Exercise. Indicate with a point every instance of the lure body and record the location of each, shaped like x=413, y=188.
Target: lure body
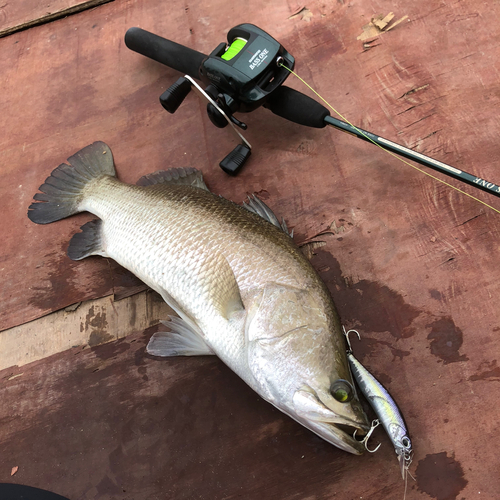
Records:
x=385, y=407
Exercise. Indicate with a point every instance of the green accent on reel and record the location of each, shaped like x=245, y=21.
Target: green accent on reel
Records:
x=234, y=49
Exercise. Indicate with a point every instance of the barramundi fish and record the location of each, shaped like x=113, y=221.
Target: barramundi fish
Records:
x=240, y=286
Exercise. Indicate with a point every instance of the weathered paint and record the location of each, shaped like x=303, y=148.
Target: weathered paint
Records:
x=415, y=270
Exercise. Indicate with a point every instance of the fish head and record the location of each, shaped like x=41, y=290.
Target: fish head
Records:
x=400, y=438
x=297, y=356
x=402, y=445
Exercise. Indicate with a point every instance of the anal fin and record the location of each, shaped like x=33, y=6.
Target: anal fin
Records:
x=181, y=340
x=88, y=242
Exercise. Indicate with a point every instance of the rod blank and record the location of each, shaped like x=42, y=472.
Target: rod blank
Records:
x=302, y=109
x=470, y=179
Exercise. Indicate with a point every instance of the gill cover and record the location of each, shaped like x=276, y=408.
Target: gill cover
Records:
x=284, y=325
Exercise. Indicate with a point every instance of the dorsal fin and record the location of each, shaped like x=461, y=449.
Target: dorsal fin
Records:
x=257, y=206
x=187, y=176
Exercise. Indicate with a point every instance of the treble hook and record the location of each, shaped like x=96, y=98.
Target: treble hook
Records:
x=375, y=423
x=349, y=350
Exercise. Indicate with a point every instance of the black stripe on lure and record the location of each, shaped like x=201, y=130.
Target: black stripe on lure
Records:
x=386, y=409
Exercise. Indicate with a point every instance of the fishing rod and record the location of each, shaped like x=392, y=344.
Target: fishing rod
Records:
x=248, y=72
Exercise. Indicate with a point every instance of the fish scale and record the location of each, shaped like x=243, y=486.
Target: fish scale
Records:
x=178, y=244
x=241, y=287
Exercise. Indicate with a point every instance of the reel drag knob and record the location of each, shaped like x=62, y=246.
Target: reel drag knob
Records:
x=215, y=117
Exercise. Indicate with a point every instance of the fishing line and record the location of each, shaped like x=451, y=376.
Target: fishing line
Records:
x=387, y=151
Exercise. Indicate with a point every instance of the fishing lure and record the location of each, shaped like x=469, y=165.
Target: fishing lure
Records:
x=386, y=409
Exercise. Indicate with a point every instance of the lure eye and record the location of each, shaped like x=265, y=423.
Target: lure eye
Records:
x=342, y=391
x=406, y=442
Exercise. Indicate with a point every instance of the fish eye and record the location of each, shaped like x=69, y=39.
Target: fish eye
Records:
x=342, y=391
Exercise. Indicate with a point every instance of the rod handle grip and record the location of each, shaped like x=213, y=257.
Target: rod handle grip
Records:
x=172, y=54
x=297, y=107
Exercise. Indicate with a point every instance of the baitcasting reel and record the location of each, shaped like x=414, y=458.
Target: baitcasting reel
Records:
x=249, y=72
x=239, y=76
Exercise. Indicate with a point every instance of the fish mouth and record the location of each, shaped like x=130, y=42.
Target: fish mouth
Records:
x=340, y=435
x=334, y=422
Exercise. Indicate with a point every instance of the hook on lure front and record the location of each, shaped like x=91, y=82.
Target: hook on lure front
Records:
x=375, y=424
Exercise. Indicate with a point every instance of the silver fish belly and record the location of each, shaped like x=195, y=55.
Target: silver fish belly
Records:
x=240, y=286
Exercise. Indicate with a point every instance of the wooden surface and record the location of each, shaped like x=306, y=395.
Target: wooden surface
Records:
x=132, y=428
x=414, y=269
x=17, y=16
x=83, y=324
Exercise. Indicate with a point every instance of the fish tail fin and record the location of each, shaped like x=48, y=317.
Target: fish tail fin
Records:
x=63, y=190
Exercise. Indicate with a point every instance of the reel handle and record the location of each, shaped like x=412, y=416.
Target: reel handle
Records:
x=172, y=54
x=172, y=98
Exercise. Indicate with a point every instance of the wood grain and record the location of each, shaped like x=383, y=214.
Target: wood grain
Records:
x=19, y=16
x=84, y=324
x=415, y=269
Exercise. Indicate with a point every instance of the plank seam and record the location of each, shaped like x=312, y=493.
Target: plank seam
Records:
x=54, y=16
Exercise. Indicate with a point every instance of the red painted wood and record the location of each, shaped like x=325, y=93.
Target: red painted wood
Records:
x=17, y=16
x=415, y=269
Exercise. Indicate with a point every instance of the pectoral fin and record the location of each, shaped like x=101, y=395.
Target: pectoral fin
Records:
x=219, y=289
x=181, y=340
x=225, y=292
